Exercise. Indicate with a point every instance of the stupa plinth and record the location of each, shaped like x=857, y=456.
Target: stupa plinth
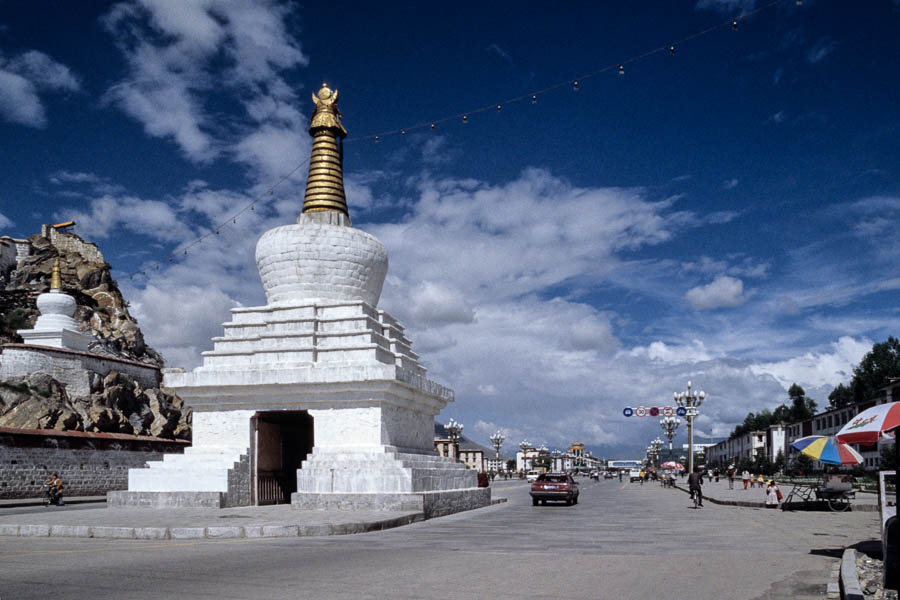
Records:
x=319, y=378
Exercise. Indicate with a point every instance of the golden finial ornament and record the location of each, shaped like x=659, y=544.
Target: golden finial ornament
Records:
x=55, y=279
x=325, y=184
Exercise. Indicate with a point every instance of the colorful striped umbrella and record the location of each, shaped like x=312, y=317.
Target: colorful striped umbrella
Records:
x=673, y=465
x=828, y=450
x=872, y=423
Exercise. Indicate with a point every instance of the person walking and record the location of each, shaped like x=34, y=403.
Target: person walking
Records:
x=731, y=477
x=695, y=485
x=745, y=477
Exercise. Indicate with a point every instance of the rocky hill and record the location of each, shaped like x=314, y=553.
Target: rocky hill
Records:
x=117, y=403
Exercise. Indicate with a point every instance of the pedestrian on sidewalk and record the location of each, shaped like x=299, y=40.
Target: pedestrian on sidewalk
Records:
x=55, y=491
x=731, y=473
x=773, y=495
x=745, y=476
x=695, y=485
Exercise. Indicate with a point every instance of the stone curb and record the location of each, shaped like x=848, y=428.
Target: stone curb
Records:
x=850, y=588
x=745, y=504
x=217, y=533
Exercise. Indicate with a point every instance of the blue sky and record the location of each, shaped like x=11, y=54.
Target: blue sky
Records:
x=725, y=215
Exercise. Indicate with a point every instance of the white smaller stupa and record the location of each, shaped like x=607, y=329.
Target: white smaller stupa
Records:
x=55, y=326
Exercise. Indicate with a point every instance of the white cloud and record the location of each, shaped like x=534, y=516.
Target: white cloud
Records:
x=673, y=354
x=5, y=221
x=820, y=50
x=439, y=304
x=727, y=7
x=723, y=291
x=22, y=78
x=730, y=184
x=175, y=52
x=778, y=117
x=824, y=369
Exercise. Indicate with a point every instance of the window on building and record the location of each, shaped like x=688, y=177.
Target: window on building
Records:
x=829, y=421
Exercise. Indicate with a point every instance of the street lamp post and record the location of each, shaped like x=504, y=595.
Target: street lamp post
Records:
x=656, y=444
x=454, y=429
x=525, y=445
x=497, y=440
x=669, y=425
x=690, y=401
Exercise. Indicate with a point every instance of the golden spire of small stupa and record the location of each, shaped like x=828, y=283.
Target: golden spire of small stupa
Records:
x=325, y=184
x=55, y=280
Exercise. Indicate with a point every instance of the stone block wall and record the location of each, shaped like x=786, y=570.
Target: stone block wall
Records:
x=71, y=367
x=90, y=464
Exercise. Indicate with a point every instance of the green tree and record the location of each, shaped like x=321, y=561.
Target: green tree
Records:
x=782, y=414
x=881, y=362
x=511, y=465
x=778, y=465
x=888, y=457
x=803, y=463
x=802, y=408
x=840, y=396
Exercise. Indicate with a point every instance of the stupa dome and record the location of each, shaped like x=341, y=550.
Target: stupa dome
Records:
x=318, y=261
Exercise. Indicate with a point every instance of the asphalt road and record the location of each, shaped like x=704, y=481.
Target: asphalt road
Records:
x=622, y=540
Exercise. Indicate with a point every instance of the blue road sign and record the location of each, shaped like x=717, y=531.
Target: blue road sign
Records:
x=681, y=411
x=628, y=411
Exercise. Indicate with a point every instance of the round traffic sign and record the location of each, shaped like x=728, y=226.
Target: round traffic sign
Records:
x=668, y=411
x=681, y=411
x=640, y=411
x=654, y=411
x=628, y=411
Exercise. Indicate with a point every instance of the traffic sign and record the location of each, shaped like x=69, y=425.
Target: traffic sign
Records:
x=628, y=411
x=640, y=411
x=654, y=411
x=681, y=411
x=668, y=411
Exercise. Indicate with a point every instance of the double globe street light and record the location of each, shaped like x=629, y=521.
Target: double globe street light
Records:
x=497, y=440
x=525, y=446
x=454, y=430
x=690, y=400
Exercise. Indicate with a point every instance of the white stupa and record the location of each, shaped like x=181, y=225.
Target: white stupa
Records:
x=55, y=326
x=318, y=378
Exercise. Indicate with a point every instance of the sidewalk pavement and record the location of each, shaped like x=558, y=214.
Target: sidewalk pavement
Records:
x=194, y=523
x=755, y=497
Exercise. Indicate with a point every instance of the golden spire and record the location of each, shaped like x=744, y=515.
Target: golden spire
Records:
x=55, y=281
x=325, y=184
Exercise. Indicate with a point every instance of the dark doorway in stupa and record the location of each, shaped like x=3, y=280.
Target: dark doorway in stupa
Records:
x=281, y=441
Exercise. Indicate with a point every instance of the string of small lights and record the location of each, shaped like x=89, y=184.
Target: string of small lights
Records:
x=575, y=83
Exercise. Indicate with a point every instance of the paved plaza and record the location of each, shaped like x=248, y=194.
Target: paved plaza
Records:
x=623, y=540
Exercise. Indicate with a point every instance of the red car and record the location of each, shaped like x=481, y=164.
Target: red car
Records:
x=554, y=486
